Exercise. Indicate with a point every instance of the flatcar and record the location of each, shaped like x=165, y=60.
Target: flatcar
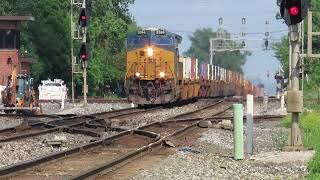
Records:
x=156, y=74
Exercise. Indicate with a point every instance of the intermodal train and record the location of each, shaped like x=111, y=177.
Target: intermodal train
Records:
x=157, y=74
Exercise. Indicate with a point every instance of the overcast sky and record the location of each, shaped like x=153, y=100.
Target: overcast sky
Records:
x=185, y=16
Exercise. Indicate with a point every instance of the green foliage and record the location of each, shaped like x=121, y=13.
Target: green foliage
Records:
x=282, y=54
x=109, y=25
x=112, y=97
x=310, y=126
x=311, y=66
x=286, y=121
x=200, y=48
x=47, y=40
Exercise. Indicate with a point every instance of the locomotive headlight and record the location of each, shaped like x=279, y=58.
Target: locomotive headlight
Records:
x=150, y=51
x=137, y=74
x=162, y=74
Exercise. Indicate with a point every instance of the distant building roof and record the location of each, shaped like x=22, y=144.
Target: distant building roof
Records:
x=13, y=22
x=16, y=18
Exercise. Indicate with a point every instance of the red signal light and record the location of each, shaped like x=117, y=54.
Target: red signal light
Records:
x=83, y=55
x=83, y=18
x=294, y=10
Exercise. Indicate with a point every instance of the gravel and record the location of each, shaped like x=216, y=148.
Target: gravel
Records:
x=31, y=148
x=54, y=108
x=161, y=115
x=273, y=108
x=108, y=134
x=8, y=122
x=210, y=166
x=214, y=159
x=268, y=136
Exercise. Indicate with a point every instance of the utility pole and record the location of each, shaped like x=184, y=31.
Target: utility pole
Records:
x=295, y=96
x=293, y=13
x=311, y=33
x=220, y=36
x=228, y=42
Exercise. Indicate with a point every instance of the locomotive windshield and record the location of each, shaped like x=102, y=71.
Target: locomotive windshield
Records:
x=138, y=40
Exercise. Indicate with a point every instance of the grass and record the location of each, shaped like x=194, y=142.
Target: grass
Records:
x=112, y=97
x=310, y=127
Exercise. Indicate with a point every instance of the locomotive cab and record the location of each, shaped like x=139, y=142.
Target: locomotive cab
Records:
x=152, y=65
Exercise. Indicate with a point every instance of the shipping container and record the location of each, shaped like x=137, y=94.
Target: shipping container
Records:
x=215, y=73
x=220, y=74
x=204, y=71
x=186, y=67
x=208, y=71
x=227, y=75
x=212, y=72
x=194, y=69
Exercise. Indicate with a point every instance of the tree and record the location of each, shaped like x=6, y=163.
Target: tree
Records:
x=200, y=45
x=47, y=40
x=311, y=66
x=110, y=22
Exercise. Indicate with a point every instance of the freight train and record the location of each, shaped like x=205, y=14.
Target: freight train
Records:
x=156, y=74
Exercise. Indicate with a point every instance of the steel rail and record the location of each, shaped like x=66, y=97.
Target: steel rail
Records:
x=196, y=111
x=129, y=156
x=157, y=137
x=50, y=128
x=139, y=152
x=123, y=112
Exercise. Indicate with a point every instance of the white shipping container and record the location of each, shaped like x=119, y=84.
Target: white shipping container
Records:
x=197, y=69
x=186, y=68
x=215, y=73
x=223, y=77
x=223, y=74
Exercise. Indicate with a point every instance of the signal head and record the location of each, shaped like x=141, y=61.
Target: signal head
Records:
x=83, y=18
x=83, y=55
x=293, y=11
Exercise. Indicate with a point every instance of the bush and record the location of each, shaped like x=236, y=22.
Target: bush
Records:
x=310, y=127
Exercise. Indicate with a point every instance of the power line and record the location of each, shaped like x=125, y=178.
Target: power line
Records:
x=271, y=32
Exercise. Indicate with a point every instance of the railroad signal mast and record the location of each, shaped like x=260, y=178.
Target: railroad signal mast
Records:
x=79, y=25
x=293, y=12
x=83, y=23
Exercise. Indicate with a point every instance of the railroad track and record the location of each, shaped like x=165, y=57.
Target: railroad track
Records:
x=121, y=113
x=103, y=154
x=91, y=125
x=100, y=101
x=107, y=154
x=28, y=123
x=36, y=126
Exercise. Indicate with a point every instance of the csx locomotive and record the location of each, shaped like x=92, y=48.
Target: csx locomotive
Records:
x=155, y=74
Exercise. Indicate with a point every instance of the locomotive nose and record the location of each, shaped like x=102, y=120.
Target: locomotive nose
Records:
x=150, y=51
